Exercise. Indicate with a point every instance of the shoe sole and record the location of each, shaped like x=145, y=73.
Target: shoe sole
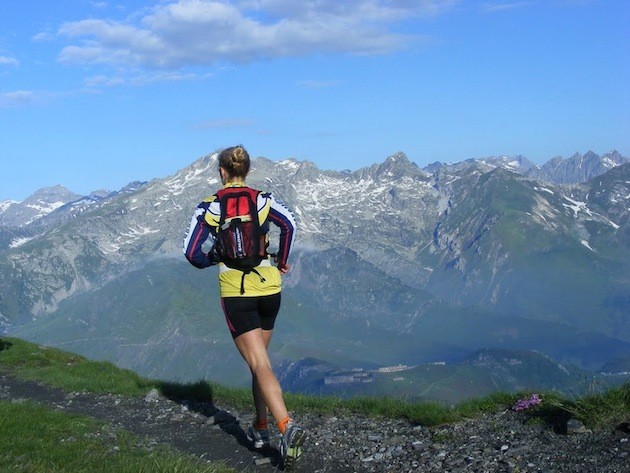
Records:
x=294, y=452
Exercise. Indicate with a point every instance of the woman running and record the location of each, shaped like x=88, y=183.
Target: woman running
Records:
x=250, y=286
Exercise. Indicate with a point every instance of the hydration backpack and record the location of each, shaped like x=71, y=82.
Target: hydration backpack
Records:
x=240, y=242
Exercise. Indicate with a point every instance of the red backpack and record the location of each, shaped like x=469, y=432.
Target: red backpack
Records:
x=240, y=242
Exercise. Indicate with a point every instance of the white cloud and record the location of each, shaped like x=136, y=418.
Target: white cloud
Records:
x=43, y=36
x=206, y=32
x=8, y=61
x=16, y=98
x=19, y=98
x=361, y=10
x=101, y=81
x=501, y=6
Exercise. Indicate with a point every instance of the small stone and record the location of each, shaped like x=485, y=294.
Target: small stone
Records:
x=574, y=426
x=262, y=461
x=210, y=420
x=418, y=445
x=152, y=396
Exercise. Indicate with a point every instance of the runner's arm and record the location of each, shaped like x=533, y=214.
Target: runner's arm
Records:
x=198, y=233
x=281, y=216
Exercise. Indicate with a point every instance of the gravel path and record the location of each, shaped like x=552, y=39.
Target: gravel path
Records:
x=500, y=442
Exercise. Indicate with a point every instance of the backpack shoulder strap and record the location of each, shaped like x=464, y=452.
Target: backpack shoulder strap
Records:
x=211, y=217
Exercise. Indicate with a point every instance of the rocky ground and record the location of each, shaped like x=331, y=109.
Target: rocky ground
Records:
x=498, y=442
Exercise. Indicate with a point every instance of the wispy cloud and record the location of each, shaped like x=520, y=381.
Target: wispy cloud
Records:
x=206, y=32
x=96, y=84
x=318, y=84
x=18, y=98
x=104, y=81
x=101, y=81
x=500, y=6
x=43, y=36
x=8, y=61
x=224, y=123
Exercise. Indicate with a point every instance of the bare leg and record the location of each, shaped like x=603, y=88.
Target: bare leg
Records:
x=259, y=402
x=265, y=386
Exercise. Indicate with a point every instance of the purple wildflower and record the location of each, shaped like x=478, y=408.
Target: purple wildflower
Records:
x=527, y=403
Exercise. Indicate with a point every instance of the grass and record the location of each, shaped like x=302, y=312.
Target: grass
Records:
x=37, y=439
x=600, y=408
x=65, y=370
x=75, y=373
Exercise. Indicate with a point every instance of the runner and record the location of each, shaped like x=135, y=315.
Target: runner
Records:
x=250, y=298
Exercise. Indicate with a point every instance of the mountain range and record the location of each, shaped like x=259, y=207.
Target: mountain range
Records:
x=393, y=265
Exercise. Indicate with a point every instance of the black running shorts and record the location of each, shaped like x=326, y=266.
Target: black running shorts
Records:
x=248, y=313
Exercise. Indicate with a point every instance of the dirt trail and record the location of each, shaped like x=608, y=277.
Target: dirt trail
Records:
x=502, y=441
x=203, y=430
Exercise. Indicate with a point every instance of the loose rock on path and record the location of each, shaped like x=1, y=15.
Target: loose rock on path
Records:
x=498, y=442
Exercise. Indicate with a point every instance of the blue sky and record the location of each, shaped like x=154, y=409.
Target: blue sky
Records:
x=95, y=94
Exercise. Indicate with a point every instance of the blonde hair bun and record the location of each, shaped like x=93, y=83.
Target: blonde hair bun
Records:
x=235, y=160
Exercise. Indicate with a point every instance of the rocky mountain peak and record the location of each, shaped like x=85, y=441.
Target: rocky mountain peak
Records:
x=307, y=171
x=100, y=194
x=52, y=195
x=578, y=168
x=396, y=166
x=5, y=204
x=36, y=206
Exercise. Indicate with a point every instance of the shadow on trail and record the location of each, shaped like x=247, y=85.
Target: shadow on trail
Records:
x=201, y=432
x=198, y=397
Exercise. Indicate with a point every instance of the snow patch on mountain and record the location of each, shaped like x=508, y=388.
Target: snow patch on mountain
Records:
x=290, y=164
x=5, y=204
x=136, y=232
x=19, y=241
x=544, y=189
x=178, y=184
x=45, y=207
x=577, y=207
